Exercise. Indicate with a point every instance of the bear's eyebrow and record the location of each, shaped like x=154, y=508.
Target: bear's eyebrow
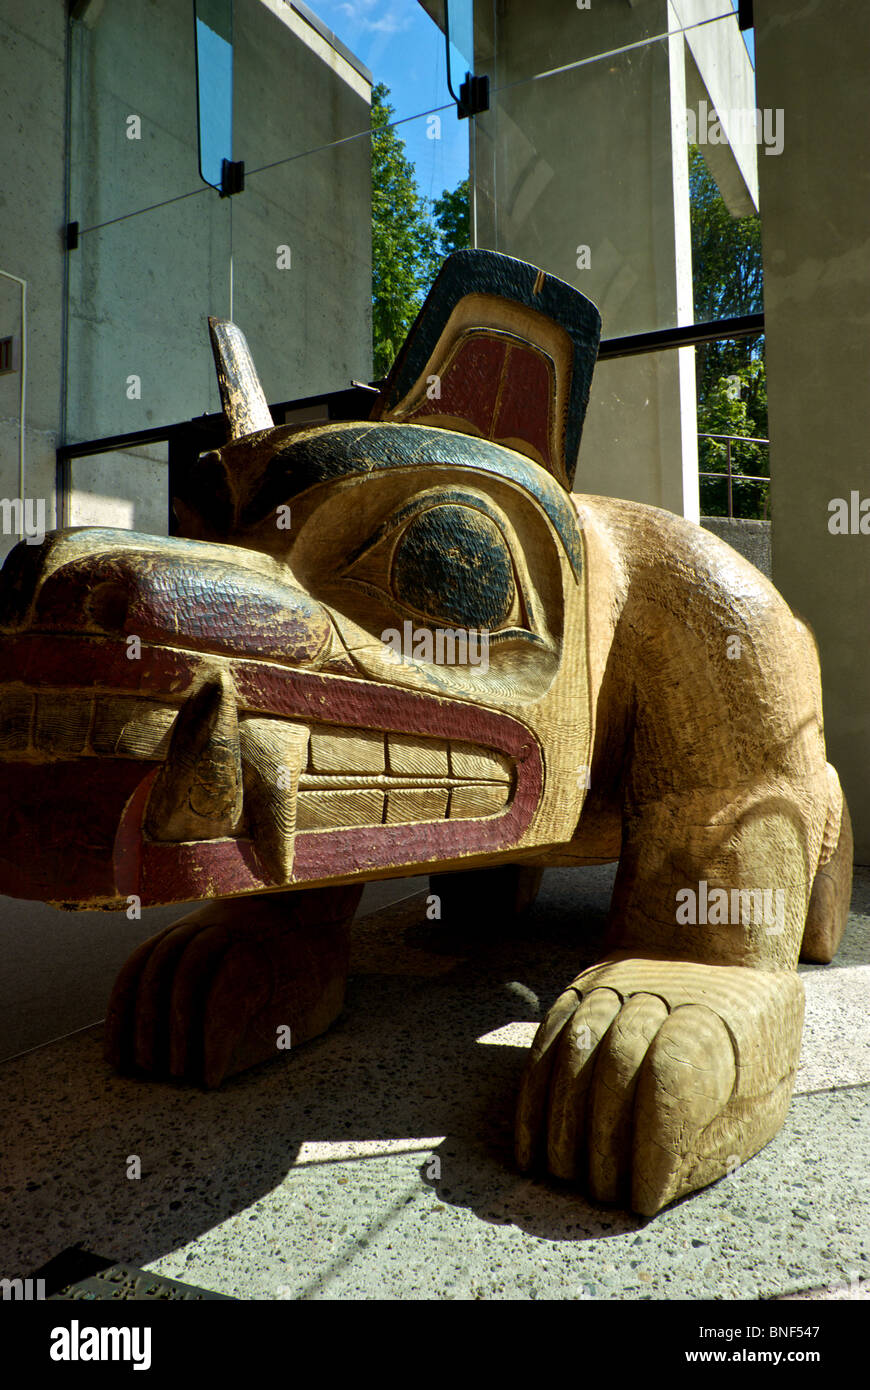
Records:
x=434, y=497
x=341, y=453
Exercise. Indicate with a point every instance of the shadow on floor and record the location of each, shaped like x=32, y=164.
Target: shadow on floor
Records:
x=408, y=1066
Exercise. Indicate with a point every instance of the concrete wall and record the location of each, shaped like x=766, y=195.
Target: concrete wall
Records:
x=144, y=286
x=123, y=488
x=32, y=45
x=142, y=283
x=750, y=538
x=309, y=327
x=815, y=197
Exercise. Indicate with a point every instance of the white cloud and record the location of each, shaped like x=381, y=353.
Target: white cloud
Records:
x=364, y=14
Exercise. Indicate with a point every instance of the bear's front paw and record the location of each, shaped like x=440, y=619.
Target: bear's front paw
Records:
x=231, y=985
x=652, y=1077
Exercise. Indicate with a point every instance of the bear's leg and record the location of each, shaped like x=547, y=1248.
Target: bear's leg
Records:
x=673, y=1060
x=832, y=887
x=232, y=984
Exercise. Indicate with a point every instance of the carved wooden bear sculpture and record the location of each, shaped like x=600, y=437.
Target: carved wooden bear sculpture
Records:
x=402, y=645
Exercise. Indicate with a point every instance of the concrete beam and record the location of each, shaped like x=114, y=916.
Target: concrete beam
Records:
x=720, y=74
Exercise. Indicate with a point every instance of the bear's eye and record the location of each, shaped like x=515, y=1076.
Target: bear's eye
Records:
x=452, y=563
x=446, y=561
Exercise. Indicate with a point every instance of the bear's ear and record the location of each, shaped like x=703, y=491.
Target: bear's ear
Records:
x=502, y=351
x=245, y=407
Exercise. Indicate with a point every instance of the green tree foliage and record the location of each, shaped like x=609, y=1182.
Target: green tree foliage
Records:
x=410, y=235
x=404, y=241
x=732, y=391
x=452, y=216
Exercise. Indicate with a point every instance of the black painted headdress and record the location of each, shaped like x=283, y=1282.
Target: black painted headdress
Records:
x=503, y=351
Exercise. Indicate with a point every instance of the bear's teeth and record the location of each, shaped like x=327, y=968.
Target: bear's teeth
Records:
x=274, y=753
x=197, y=794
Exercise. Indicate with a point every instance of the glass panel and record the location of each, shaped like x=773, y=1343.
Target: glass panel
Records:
x=214, y=86
x=153, y=103
x=296, y=88
x=748, y=35
x=297, y=72
x=133, y=126
x=341, y=245
x=530, y=40
x=640, y=436
x=139, y=293
x=460, y=33
x=727, y=272
x=583, y=169
x=576, y=174
x=420, y=213
x=126, y=488
x=302, y=271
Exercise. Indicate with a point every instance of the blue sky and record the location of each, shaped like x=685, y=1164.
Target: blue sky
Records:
x=402, y=46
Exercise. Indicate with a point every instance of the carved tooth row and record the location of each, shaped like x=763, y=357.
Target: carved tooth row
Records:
x=418, y=757
x=356, y=751
x=479, y=764
x=16, y=715
x=325, y=810
x=132, y=728
x=334, y=810
x=473, y=800
x=64, y=725
x=346, y=750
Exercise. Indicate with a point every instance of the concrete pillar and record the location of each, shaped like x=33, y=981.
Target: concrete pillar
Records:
x=815, y=198
x=596, y=158
x=641, y=434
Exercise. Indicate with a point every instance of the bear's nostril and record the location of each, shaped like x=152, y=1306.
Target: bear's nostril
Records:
x=107, y=606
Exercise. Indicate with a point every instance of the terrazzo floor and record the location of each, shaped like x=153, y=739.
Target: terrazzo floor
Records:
x=375, y=1162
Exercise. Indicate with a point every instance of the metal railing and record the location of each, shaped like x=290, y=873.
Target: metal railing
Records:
x=188, y=438
x=729, y=474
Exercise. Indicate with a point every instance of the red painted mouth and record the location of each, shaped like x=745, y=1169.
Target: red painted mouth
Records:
x=72, y=818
